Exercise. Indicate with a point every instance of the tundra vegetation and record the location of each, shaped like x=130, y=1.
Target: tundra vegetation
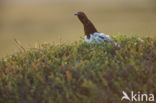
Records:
x=79, y=72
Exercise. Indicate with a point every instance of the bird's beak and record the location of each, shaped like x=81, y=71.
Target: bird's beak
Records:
x=76, y=14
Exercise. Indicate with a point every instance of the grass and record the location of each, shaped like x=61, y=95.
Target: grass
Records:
x=79, y=72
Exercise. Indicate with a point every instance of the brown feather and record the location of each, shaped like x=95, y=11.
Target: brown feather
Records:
x=89, y=27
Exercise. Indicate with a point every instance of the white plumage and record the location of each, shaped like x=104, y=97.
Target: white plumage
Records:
x=99, y=38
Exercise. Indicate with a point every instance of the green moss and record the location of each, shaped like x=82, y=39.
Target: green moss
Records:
x=79, y=72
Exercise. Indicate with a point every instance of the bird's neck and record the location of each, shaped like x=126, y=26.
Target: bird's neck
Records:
x=89, y=28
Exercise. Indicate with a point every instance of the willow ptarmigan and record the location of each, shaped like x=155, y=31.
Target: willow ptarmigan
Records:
x=91, y=33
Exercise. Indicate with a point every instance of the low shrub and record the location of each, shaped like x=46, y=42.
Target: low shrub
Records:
x=79, y=72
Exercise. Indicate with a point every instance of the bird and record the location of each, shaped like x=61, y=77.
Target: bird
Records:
x=92, y=36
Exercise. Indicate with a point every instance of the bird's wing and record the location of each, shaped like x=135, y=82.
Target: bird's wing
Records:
x=104, y=37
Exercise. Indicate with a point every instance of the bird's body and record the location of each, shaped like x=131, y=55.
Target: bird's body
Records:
x=98, y=38
x=91, y=34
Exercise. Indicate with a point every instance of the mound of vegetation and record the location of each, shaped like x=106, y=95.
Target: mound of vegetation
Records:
x=79, y=72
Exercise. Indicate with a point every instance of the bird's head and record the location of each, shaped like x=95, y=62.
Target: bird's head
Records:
x=82, y=16
x=89, y=28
